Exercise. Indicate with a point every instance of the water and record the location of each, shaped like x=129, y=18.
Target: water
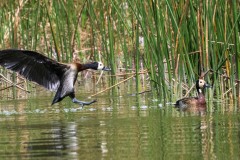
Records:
x=116, y=127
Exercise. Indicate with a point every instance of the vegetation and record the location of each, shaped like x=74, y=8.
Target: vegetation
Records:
x=169, y=43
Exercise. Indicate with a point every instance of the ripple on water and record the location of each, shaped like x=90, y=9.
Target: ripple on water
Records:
x=143, y=107
x=8, y=113
x=42, y=111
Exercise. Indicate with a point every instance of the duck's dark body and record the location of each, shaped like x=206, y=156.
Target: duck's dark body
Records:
x=66, y=87
x=194, y=103
x=49, y=73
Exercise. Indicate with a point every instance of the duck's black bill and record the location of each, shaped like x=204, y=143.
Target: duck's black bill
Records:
x=207, y=85
x=106, y=69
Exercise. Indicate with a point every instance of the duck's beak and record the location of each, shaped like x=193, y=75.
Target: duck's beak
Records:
x=106, y=69
x=206, y=85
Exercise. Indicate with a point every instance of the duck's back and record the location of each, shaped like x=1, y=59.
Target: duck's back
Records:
x=186, y=103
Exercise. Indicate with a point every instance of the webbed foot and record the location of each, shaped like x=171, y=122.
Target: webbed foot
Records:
x=82, y=103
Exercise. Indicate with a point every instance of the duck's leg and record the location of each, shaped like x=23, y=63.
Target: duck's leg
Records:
x=82, y=103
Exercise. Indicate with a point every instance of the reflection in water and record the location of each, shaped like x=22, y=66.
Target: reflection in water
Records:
x=58, y=139
x=116, y=128
x=51, y=141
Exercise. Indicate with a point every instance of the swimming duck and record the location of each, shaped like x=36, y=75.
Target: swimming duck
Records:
x=54, y=76
x=194, y=102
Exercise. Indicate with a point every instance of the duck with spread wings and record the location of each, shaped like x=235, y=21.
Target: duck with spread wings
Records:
x=49, y=73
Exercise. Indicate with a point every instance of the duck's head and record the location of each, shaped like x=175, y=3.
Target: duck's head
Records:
x=100, y=66
x=201, y=84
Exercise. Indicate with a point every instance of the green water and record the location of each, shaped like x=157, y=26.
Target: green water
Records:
x=116, y=127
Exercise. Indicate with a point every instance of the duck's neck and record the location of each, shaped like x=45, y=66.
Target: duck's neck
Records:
x=200, y=91
x=81, y=67
x=201, y=96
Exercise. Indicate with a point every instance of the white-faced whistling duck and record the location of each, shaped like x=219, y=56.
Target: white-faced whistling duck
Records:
x=194, y=102
x=49, y=73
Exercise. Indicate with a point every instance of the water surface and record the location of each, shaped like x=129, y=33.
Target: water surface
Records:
x=118, y=126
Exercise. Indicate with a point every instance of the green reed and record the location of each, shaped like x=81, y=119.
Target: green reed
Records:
x=180, y=39
x=236, y=20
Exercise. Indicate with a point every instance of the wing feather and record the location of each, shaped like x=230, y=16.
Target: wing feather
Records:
x=34, y=67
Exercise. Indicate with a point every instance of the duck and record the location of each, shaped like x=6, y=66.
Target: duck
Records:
x=54, y=76
x=192, y=103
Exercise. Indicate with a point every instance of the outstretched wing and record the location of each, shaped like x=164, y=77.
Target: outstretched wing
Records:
x=34, y=67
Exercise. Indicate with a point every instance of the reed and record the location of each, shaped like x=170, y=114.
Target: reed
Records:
x=173, y=40
x=236, y=22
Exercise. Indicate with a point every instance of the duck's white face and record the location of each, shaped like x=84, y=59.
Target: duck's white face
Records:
x=201, y=83
x=100, y=66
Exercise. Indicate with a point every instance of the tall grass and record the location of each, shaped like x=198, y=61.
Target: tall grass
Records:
x=173, y=40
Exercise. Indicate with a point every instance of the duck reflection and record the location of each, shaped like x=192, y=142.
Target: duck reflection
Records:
x=58, y=139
